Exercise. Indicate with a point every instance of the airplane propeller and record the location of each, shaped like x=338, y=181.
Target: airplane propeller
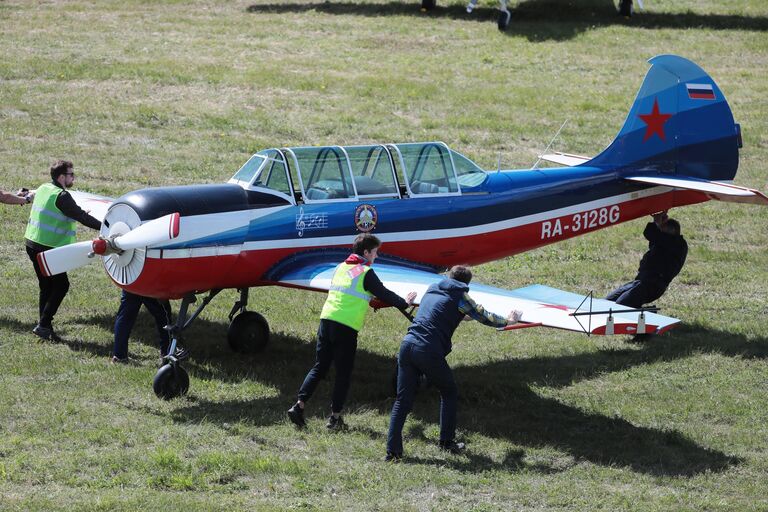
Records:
x=69, y=257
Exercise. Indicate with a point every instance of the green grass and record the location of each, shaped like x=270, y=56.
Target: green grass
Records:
x=156, y=93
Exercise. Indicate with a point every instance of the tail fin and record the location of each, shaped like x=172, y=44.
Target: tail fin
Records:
x=679, y=124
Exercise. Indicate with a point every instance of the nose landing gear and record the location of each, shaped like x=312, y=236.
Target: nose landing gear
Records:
x=248, y=333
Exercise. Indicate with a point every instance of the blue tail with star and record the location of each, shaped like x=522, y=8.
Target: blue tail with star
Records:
x=680, y=124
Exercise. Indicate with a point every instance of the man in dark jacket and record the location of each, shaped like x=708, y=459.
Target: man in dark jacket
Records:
x=52, y=223
x=423, y=351
x=667, y=250
x=353, y=285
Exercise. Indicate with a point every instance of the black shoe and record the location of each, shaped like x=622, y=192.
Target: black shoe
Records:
x=452, y=446
x=296, y=415
x=43, y=332
x=393, y=457
x=336, y=423
x=119, y=360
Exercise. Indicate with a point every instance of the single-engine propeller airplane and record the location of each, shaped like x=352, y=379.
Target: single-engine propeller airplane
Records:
x=625, y=8
x=288, y=215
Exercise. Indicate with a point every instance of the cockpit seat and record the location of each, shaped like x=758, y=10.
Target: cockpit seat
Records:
x=420, y=187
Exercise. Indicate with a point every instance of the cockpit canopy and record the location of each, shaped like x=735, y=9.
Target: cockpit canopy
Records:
x=326, y=173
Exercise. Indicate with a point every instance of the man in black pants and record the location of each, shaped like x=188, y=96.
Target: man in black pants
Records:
x=423, y=352
x=353, y=286
x=130, y=304
x=667, y=250
x=52, y=223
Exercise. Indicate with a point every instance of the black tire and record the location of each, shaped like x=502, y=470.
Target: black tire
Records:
x=248, y=333
x=171, y=381
x=428, y=5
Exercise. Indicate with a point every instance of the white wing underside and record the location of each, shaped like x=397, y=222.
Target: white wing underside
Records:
x=541, y=305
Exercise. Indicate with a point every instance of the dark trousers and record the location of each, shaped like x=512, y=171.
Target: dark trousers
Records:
x=127, y=313
x=638, y=292
x=337, y=344
x=53, y=289
x=411, y=362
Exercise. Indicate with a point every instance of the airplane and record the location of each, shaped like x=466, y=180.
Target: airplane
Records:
x=625, y=8
x=288, y=216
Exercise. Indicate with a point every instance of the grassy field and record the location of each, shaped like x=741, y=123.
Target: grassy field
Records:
x=178, y=92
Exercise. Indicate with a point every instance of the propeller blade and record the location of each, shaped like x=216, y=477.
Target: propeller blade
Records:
x=150, y=233
x=62, y=259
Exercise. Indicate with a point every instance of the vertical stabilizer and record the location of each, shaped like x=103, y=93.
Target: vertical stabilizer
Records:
x=679, y=124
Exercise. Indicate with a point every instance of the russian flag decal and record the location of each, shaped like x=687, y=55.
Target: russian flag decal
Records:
x=700, y=91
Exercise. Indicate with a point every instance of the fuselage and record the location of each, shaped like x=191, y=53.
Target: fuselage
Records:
x=237, y=236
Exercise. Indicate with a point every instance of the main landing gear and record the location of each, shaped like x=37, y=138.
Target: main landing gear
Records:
x=248, y=333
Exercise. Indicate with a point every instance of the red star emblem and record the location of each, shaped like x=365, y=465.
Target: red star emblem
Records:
x=654, y=121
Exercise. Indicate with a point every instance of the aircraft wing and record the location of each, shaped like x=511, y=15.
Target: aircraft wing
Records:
x=95, y=205
x=541, y=305
x=713, y=189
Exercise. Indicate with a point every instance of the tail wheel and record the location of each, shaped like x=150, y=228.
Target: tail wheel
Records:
x=171, y=381
x=248, y=333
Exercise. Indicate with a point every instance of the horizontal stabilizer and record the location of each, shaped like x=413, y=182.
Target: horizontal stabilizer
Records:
x=566, y=159
x=713, y=189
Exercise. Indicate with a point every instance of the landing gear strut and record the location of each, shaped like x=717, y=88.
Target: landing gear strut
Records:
x=248, y=333
x=172, y=380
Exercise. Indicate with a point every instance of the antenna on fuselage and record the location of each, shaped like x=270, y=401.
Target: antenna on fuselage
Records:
x=536, y=165
x=498, y=164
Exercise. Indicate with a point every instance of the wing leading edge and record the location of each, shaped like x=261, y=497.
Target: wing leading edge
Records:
x=540, y=304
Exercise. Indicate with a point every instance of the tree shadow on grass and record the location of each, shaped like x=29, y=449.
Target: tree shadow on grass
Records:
x=536, y=20
x=496, y=397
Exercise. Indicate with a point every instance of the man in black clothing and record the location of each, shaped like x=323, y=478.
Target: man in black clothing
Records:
x=667, y=250
x=52, y=224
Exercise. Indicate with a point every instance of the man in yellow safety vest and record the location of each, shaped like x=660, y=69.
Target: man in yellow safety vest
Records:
x=52, y=223
x=353, y=286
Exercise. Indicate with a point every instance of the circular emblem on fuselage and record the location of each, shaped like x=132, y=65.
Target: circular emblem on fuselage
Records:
x=366, y=217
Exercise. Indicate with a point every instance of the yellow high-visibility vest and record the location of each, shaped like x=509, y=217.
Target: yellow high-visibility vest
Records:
x=347, y=301
x=47, y=224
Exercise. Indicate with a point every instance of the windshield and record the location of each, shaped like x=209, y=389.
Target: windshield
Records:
x=470, y=175
x=248, y=171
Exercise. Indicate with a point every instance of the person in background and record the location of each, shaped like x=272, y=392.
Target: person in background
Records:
x=23, y=196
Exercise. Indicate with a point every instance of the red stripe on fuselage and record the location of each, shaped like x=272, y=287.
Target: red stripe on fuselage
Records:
x=175, y=277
